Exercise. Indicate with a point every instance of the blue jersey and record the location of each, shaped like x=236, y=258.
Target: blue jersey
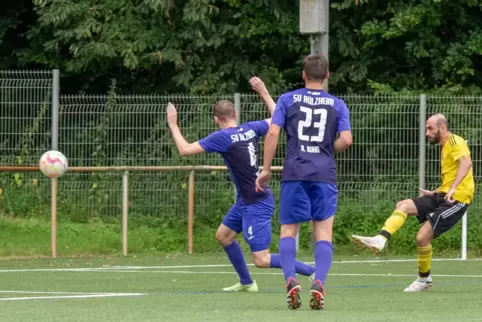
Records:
x=311, y=119
x=239, y=148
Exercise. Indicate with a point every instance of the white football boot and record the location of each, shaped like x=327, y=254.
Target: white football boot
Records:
x=420, y=284
x=375, y=244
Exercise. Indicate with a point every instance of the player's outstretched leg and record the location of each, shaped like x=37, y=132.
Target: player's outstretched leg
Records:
x=300, y=267
x=264, y=259
x=323, y=260
x=424, y=248
x=257, y=233
x=377, y=243
x=287, y=252
x=225, y=236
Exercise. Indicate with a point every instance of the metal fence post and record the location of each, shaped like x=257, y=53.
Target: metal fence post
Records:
x=55, y=146
x=422, y=141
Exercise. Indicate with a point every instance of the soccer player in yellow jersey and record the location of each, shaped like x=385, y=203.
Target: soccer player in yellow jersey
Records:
x=437, y=210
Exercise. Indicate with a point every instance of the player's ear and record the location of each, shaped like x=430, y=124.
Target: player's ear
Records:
x=327, y=76
x=303, y=76
x=216, y=119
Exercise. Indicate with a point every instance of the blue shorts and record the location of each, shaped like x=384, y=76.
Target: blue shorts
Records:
x=302, y=201
x=254, y=221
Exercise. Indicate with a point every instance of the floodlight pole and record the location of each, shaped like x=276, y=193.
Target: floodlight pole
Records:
x=319, y=45
x=314, y=21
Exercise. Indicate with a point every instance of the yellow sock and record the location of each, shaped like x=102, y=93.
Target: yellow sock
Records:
x=394, y=223
x=424, y=260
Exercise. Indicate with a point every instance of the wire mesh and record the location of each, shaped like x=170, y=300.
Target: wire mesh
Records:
x=380, y=168
x=382, y=165
x=25, y=116
x=117, y=130
x=25, y=134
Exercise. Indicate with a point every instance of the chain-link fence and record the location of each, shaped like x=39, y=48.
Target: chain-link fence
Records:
x=388, y=161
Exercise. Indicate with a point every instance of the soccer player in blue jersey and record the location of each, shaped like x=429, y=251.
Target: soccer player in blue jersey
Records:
x=252, y=211
x=311, y=118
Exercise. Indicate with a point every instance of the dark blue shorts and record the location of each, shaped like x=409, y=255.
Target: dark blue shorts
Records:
x=254, y=221
x=302, y=201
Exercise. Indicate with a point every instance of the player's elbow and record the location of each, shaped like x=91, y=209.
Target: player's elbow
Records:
x=185, y=152
x=347, y=142
x=466, y=162
x=346, y=139
x=182, y=152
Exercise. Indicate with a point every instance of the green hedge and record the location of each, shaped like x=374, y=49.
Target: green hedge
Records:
x=84, y=229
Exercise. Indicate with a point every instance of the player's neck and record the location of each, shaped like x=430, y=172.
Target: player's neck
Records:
x=445, y=138
x=228, y=124
x=315, y=86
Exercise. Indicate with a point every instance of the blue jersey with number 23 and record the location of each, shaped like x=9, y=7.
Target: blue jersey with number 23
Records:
x=311, y=119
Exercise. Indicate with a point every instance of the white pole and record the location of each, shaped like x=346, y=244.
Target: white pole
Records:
x=125, y=210
x=463, y=252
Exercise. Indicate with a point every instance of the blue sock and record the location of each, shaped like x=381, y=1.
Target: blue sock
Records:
x=323, y=260
x=287, y=254
x=236, y=257
x=300, y=267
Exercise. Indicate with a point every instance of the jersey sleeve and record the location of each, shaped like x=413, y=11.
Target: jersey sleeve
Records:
x=343, y=117
x=260, y=127
x=459, y=148
x=215, y=142
x=279, y=115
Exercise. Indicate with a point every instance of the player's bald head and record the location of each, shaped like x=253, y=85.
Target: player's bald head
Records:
x=438, y=121
x=224, y=110
x=437, y=128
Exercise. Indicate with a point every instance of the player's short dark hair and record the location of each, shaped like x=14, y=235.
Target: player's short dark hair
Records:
x=315, y=67
x=224, y=110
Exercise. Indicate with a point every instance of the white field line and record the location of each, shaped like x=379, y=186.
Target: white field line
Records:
x=334, y=262
x=116, y=268
x=280, y=273
x=65, y=293
x=69, y=296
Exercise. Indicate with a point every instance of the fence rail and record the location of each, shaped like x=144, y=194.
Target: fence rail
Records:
x=105, y=135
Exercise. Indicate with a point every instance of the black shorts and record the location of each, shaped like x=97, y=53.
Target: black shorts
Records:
x=441, y=214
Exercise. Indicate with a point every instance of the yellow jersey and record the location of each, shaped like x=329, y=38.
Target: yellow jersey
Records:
x=452, y=150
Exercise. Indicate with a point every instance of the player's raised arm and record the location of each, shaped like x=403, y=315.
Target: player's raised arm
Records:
x=345, y=139
x=271, y=143
x=185, y=148
x=258, y=86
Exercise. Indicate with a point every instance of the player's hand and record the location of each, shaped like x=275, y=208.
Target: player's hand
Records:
x=171, y=114
x=262, y=180
x=426, y=192
x=449, y=195
x=258, y=85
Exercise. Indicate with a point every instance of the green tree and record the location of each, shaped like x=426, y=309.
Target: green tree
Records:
x=207, y=46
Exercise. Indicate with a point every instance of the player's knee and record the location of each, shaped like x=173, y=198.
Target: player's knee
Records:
x=289, y=230
x=261, y=259
x=223, y=238
x=404, y=205
x=424, y=238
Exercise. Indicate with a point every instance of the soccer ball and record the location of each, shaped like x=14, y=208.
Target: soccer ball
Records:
x=53, y=164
